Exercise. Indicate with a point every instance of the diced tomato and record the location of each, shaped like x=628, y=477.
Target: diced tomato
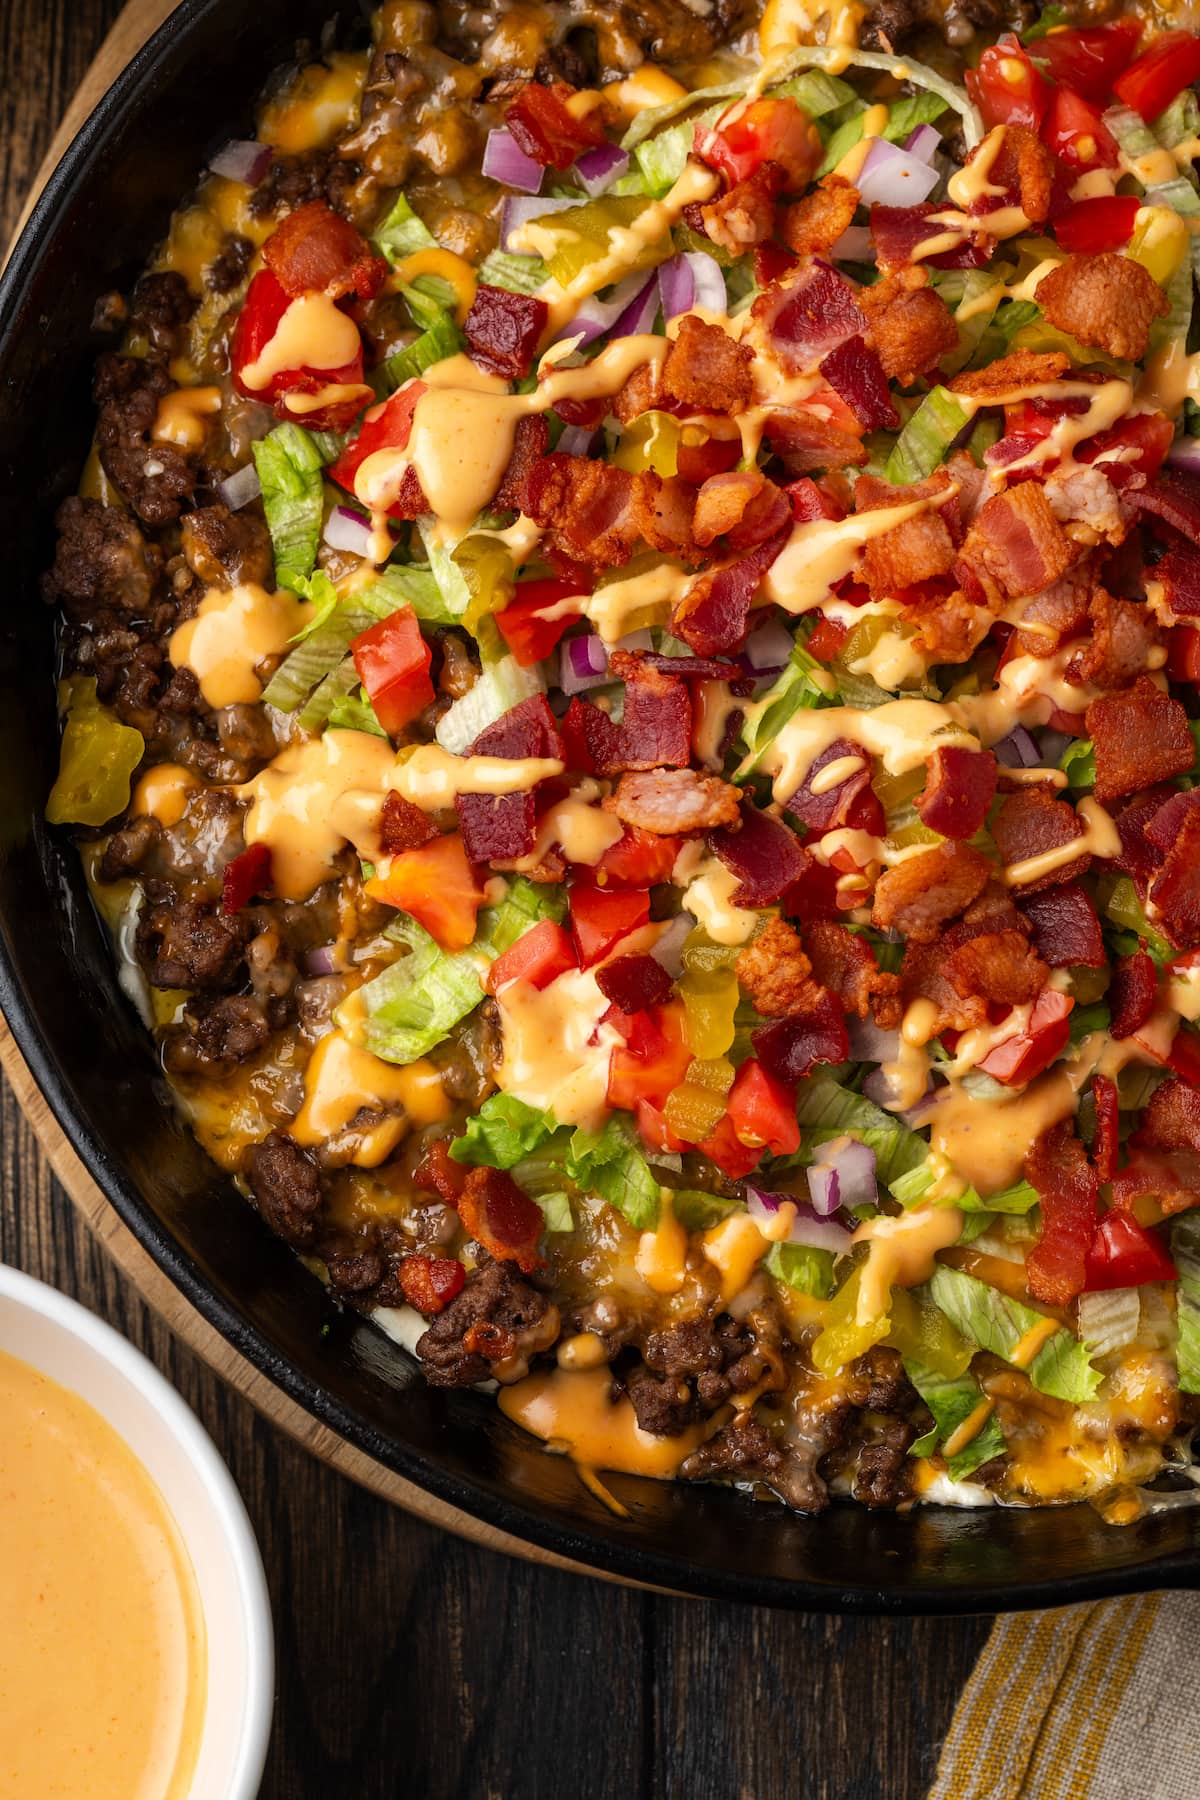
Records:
x=1006, y=87
x=1019, y=1058
x=1025, y=419
x=430, y=1282
x=392, y=659
x=1090, y=60
x=1102, y=223
x=545, y=128
x=1183, y=653
x=265, y=304
x=655, y=1060
x=1124, y=1254
x=529, y=636
x=639, y=858
x=539, y=957
x=1074, y=131
x=1184, y=1055
x=315, y=251
x=1148, y=434
x=745, y=137
x=724, y=1147
x=827, y=639
x=247, y=875
x=385, y=427
x=437, y=886
x=601, y=917
x=1151, y=83
x=762, y=1110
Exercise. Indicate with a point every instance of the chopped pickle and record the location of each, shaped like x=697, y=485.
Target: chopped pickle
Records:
x=98, y=757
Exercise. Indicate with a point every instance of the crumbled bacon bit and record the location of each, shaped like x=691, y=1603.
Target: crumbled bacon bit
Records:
x=833, y=807
x=998, y=965
x=1175, y=891
x=633, y=983
x=1170, y=1119
x=1171, y=1180
x=775, y=971
x=656, y=728
x=790, y=1048
x=1179, y=573
x=503, y=330
x=1021, y=369
x=1108, y=301
x=924, y=975
x=919, y=894
x=745, y=216
x=501, y=1217
x=813, y=224
x=530, y=444
x=918, y=549
x=430, y=1282
x=675, y=802
x=724, y=501
x=1140, y=736
x=764, y=855
x=1066, y=929
x=437, y=1173
x=844, y=962
x=1030, y=822
x=898, y=230
x=315, y=250
x=503, y=827
x=806, y=314
x=712, y=614
x=1058, y=1168
x=1016, y=546
x=403, y=826
x=1058, y=613
x=856, y=373
x=910, y=326
x=802, y=441
x=706, y=369
x=1123, y=634
x=1132, y=993
x=1108, y=1126
x=1025, y=169
x=958, y=791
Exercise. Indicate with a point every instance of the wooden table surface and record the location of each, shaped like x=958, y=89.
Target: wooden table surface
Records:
x=411, y=1664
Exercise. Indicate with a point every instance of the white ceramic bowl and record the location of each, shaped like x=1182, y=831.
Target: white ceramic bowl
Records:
x=80, y=1352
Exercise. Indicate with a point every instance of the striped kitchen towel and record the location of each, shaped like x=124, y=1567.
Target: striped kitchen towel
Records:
x=1084, y=1703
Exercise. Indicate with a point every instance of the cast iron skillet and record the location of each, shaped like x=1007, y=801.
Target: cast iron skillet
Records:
x=192, y=87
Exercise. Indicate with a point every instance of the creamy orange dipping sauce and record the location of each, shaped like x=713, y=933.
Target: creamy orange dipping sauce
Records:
x=102, y=1667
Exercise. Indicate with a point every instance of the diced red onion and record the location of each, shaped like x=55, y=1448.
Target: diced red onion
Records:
x=597, y=169
x=517, y=212
x=576, y=440
x=871, y=1043
x=319, y=962
x=819, y=1233
x=676, y=287
x=824, y=1189
x=240, y=489
x=596, y=316
x=923, y=141
x=669, y=948
x=582, y=664
x=852, y=1166
x=346, y=529
x=1017, y=750
x=504, y=160
x=640, y=314
x=635, y=640
x=854, y=245
x=1185, y=454
x=692, y=279
x=769, y=646
x=891, y=177
x=242, y=160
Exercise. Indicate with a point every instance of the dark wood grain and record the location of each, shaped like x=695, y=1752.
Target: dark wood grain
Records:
x=411, y=1664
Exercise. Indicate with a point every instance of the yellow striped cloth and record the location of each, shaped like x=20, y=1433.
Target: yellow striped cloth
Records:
x=1085, y=1703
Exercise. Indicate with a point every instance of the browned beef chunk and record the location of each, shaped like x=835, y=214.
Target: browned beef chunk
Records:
x=746, y=1451
x=292, y=181
x=154, y=478
x=227, y=549
x=216, y=1035
x=497, y=1316
x=878, y=1382
x=128, y=848
x=228, y=268
x=101, y=561
x=182, y=944
x=881, y=1478
x=723, y=1358
x=664, y=1405
x=161, y=307
x=244, y=732
x=286, y=1185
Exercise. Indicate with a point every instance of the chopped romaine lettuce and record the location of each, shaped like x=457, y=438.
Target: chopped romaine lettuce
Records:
x=503, y=1131
x=418, y=1001
x=442, y=339
x=827, y=1111
x=502, y=686
x=1185, y=1248
x=952, y=1401
x=1078, y=763
x=519, y=274
x=556, y=1210
x=802, y=1267
x=996, y=1322
x=803, y=683
x=525, y=904
x=289, y=467
x=915, y=1183
x=354, y=712
x=402, y=233
x=698, y=1210
x=1109, y=1320
x=927, y=437
x=337, y=686
x=610, y=1163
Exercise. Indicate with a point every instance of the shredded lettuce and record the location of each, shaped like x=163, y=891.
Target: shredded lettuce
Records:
x=337, y=686
x=825, y=1110
x=915, y=1183
x=453, y=590
x=698, y=1211
x=289, y=467
x=952, y=1400
x=442, y=339
x=313, y=659
x=402, y=233
x=519, y=274
x=1062, y=1367
x=354, y=712
x=1185, y=1248
x=526, y=904
x=903, y=118
x=661, y=159
x=416, y=1003
x=1109, y=1320
x=503, y=1131
x=829, y=56
x=556, y=1210
x=801, y=684
x=610, y=1163
x=502, y=686
x=926, y=439
x=802, y=1267
x=404, y=584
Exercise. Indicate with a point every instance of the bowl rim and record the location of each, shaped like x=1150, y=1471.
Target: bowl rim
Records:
x=214, y=1482
x=506, y=1513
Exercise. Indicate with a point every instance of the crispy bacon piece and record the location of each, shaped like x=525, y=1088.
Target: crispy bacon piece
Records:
x=1108, y=1126
x=1139, y=858
x=430, y=1282
x=1171, y=1180
x=503, y=827
x=656, y=729
x=917, y=550
x=706, y=370
x=1132, y=993
x=501, y=1217
x=998, y=965
x=437, y=1173
x=764, y=855
x=897, y=231
x=1058, y=613
x=1016, y=546
x=633, y=983
x=924, y=975
x=530, y=444
x=1174, y=497
x=403, y=826
x=712, y=614
x=1123, y=634
x=910, y=326
x=827, y=810
x=921, y=893
x=1179, y=572
x=1108, y=301
x=806, y=314
x=775, y=971
x=1025, y=169
x=594, y=513
x=315, y=250
x=1164, y=826
x=542, y=122
x=1140, y=736
x=1058, y=1168
x=745, y=216
x=790, y=1048
x=857, y=374
x=959, y=788
x=844, y=962
x=675, y=802
x=1029, y=823
x=1170, y=1118
x=503, y=329
x=1021, y=369
x=950, y=628
x=742, y=506
x=1175, y=890
x=811, y=225
x=1066, y=929
x=802, y=441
